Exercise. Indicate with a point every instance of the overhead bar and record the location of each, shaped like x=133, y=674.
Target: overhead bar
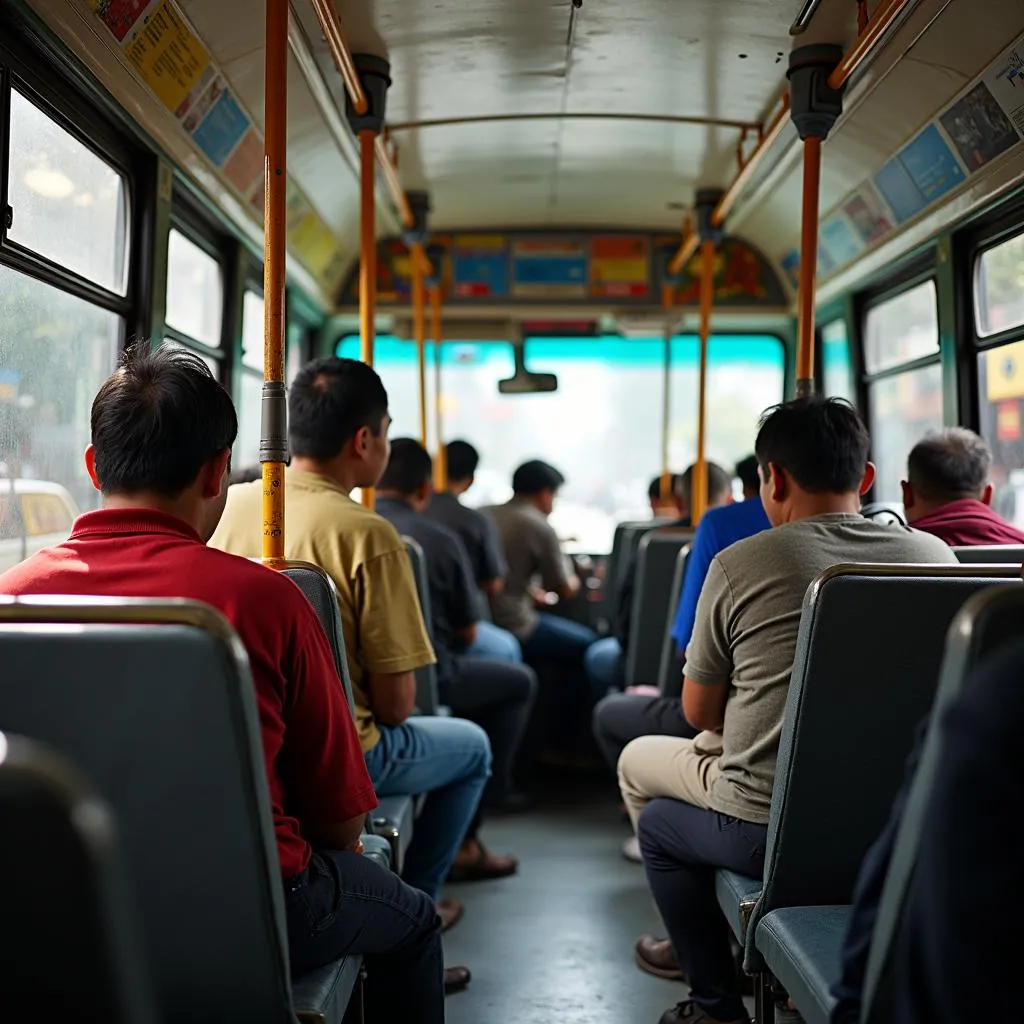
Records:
x=877, y=25
x=449, y=122
x=273, y=405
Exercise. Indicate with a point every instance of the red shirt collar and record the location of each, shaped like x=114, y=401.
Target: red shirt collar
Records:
x=108, y=522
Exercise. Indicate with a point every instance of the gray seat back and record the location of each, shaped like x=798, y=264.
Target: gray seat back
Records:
x=987, y=622
x=991, y=554
x=71, y=941
x=154, y=702
x=625, y=542
x=426, y=676
x=652, y=603
x=866, y=669
x=670, y=680
x=322, y=594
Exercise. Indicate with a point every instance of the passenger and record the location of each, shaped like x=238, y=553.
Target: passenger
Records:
x=532, y=551
x=496, y=695
x=338, y=428
x=703, y=804
x=606, y=660
x=948, y=492
x=162, y=431
x=673, y=505
x=480, y=539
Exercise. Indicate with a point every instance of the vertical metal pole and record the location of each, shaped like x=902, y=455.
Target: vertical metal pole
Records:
x=699, y=487
x=808, y=268
x=665, y=484
x=418, y=258
x=273, y=440
x=367, y=259
x=441, y=459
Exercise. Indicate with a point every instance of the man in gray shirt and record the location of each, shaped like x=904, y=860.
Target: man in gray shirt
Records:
x=813, y=459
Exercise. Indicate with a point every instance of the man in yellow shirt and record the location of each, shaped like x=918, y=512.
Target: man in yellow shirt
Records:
x=338, y=430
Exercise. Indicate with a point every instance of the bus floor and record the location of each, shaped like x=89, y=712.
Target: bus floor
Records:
x=553, y=944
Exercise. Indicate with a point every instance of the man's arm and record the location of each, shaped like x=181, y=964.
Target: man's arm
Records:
x=556, y=572
x=493, y=568
x=342, y=836
x=704, y=706
x=392, y=696
x=708, y=669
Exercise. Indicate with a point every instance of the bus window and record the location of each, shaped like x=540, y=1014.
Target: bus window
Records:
x=904, y=404
x=1000, y=407
x=250, y=383
x=608, y=402
x=835, y=361
x=195, y=291
x=69, y=205
x=999, y=287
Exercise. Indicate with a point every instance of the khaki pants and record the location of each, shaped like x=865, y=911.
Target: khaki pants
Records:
x=654, y=766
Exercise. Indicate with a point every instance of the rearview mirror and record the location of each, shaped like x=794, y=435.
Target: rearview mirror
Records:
x=525, y=382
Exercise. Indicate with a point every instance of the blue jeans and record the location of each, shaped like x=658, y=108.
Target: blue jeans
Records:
x=605, y=662
x=682, y=845
x=561, y=643
x=344, y=904
x=494, y=643
x=449, y=759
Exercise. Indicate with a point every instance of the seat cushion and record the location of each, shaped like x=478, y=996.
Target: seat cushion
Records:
x=322, y=996
x=802, y=947
x=736, y=896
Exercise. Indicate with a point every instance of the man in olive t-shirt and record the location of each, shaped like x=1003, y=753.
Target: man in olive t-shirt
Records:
x=812, y=455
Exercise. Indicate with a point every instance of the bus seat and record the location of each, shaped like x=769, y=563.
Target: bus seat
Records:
x=652, y=601
x=154, y=701
x=737, y=894
x=991, y=554
x=670, y=680
x=867, y=661
x=393, y=820
x=625, y=541
x=426, y=677
x=987, y=622
x=72, y=940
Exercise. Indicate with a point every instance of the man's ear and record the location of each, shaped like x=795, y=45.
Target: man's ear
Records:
x=778, y=482
x=90, y=467
x=214, y=474
x=361, y=442
x=868, y=478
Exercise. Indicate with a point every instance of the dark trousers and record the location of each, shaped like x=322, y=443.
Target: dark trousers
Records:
x=624, y=717
x=498, y=696
x=682, y=845
x=345, y=904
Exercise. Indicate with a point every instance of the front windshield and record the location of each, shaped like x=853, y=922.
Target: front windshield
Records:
x=601, y=428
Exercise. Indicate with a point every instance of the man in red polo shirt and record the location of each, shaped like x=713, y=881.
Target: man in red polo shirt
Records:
x=162, y=431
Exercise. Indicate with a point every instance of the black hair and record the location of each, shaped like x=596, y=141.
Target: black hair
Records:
x=462, y=459
x=675, y=484
x=719, y=483
x=329, y=402
x=535, y=476
x=409, y=467
x=746, y=470
x=949, y=464
x=157, y=420
x=821, y=442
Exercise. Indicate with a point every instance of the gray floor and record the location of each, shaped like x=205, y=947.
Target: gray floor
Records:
x=554, y=944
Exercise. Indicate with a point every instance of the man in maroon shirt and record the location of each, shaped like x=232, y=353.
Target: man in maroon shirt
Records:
x=162, y=431
x=947, y=491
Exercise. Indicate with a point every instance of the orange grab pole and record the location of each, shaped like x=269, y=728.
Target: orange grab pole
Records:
x=808, y=267
x=699, y=485
x=274, y=219
x=330, y=23
x=441, y=461
x=420, y=330
x=367, y=261
x=665, y=484
x=878, y=24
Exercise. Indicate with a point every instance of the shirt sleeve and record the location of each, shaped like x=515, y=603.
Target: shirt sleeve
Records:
x=553, y=567
x=702, y=551
x=492, y=557
x=709, y=653
x=321, y=754
x=392, y=634
x=463, y=596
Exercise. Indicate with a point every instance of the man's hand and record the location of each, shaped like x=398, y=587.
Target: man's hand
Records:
x=357, y=846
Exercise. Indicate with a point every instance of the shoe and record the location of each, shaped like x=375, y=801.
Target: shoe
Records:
x=631, y=850
x=456, y=979
x=657, y=957
x=690, y=1013
x=475, y=863
x=450, y=912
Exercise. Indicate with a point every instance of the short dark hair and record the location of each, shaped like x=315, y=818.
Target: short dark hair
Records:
x=718, y=482
x=675, y=487
x=821, y=442
x=949, y=464
x=329, y=402
x=409, y=467
x=535, y=476
x=157, y=420
x=746, y=470
x=462, y=460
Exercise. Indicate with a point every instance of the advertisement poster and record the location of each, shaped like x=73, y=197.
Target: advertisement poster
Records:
x=480, y=266
x=840, y=240
x=222, y=128
x=620, y=266
x=979, y=127
x=931, y=164
x=790, y=264
x=867, y=214
x=899, y=191
x=1005, y=81
x=119, y=16
x=549, y=268
x=246, y=163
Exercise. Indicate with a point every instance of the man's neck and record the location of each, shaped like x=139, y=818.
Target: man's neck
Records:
x=806, y=506
x=344, y=475
x=395, y=496
x=927, y=508
x=181, y=508
x=457, y=487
